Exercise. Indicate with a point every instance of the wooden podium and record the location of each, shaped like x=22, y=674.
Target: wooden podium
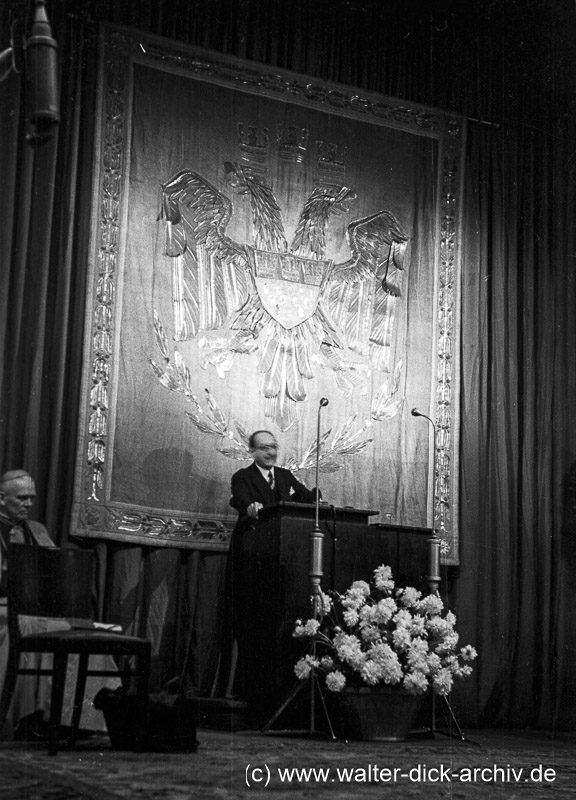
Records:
x=276, y=584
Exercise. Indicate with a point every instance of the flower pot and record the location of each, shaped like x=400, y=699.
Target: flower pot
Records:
x=378, y=713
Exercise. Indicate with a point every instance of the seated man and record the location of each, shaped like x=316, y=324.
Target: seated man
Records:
x=31, y=699
x=17, y=495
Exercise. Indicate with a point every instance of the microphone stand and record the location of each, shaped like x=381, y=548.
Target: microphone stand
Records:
x=316, y=535
x=315, y=574
x=434, y=579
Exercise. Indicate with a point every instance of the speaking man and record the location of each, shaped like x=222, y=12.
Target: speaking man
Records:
x=264, y=484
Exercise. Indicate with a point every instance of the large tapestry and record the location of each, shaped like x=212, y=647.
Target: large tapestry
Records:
x=264, y=242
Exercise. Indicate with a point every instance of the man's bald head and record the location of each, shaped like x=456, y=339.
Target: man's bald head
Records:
x=17, y=494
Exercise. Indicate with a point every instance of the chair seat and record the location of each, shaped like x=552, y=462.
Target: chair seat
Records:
x=83, y=639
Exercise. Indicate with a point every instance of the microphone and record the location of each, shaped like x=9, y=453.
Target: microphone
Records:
x=316, y=543
x=323, y=403
x=17, y=45
x=417, y=413
x=433, y=542
x=42, y=71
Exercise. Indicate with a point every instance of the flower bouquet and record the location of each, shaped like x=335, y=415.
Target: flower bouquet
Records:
x=383, y=636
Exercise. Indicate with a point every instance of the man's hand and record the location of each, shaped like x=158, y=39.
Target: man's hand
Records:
x=253, y=509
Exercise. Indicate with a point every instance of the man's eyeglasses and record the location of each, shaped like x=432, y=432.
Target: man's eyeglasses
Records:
x=266, y=448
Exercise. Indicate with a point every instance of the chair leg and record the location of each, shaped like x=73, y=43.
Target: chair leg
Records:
x=56, y=700
x=143, y=664
x=78, y=697
x=8, y=688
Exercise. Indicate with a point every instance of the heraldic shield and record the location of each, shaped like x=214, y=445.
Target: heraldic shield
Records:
x=289, y=286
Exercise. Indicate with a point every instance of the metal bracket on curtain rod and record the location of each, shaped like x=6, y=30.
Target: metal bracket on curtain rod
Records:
x=483, y=122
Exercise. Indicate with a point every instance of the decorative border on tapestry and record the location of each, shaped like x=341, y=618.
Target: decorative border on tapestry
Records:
x=94, y=513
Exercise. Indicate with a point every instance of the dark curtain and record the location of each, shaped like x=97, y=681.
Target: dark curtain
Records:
x=517, y=438
x=505, y=64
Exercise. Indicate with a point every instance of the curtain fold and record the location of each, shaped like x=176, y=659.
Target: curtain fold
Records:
x=517, y=438
x=513, y=589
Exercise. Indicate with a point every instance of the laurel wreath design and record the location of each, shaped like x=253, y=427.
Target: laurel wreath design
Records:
x=209, y=418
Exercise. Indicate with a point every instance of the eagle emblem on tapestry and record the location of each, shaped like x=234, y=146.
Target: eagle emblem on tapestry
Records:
x=284, y=300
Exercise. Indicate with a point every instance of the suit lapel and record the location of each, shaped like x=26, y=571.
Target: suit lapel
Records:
x=262, y=484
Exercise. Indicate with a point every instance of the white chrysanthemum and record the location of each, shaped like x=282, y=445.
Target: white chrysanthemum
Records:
x=450, y=618
x=372, y=672
x=360, y=586
x=305, y=666
x=308, y=628
x=417, y=654
x=434, y=663
x=383, y=579
x=403, y=618
x=418, y=626
x=349, y=650
x=383, y=655
x=326, y=603
x=431, y=604
x=356, y=595
x=350, y=617
x=370, y=633
x=408, y=597
x=415, y=682
x=442, y=682
x=367, y=614
x=384, y=610
x=335, y=681
x=438, y=626
x=401, y=639
x=468, y=653
x=448, y=643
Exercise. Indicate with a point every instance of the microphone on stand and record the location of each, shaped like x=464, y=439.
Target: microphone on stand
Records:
x=434, y=577
x=434, y=541
x=323, y=403
x=315, y=574
x=316, y=536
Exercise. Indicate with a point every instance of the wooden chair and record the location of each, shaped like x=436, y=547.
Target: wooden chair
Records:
x=57, y=583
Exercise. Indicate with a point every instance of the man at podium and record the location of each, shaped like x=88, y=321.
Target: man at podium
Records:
x=264, y=484
x=261, y=485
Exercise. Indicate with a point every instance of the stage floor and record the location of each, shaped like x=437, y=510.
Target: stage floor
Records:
x=488, y=764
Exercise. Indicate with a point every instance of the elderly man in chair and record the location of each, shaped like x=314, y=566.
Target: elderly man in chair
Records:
x=17, y=495
x=31, y=698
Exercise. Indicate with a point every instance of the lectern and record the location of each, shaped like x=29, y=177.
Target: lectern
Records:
x=276, y=587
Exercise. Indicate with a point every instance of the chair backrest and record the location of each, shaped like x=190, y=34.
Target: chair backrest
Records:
x=50, y=581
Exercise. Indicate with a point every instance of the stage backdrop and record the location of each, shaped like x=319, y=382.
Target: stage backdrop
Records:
x=263, y=240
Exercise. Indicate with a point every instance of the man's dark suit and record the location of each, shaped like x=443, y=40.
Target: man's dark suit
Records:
x=250, y=486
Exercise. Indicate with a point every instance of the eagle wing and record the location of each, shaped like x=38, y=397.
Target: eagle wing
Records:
x=210, y=276
x=310, y=235
x=267, y=223
x=365, y=288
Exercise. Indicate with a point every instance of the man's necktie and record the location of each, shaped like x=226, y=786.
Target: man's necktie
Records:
x=271, y=480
